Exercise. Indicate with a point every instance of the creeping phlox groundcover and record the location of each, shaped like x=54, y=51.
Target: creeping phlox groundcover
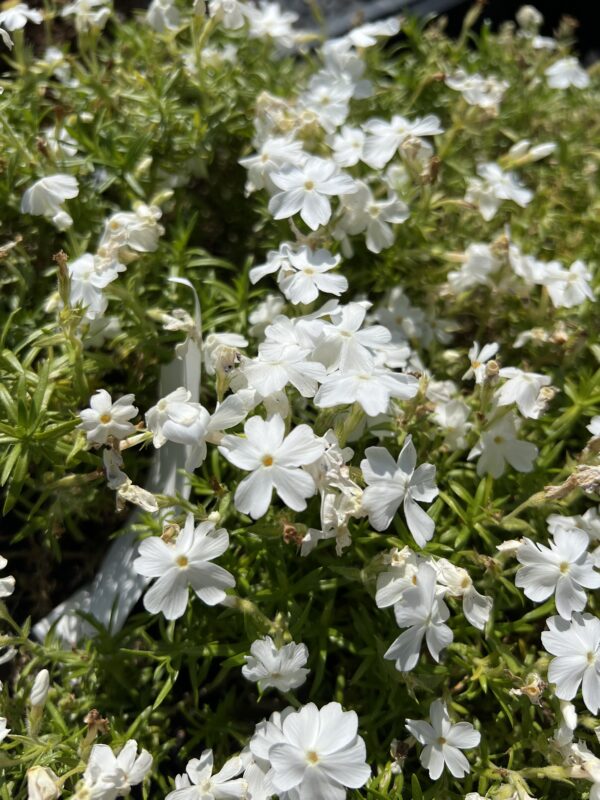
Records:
x=303, y=334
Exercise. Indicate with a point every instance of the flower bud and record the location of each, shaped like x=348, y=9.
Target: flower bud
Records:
x=39, y=690
x=529, y=18
x=42, y=784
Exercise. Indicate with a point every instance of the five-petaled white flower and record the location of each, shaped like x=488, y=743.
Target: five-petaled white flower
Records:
x=280, y=667
x=563, y=569
x=492, y=187
x=186, y=562
x=567, y=72
x=499, y=444
x=311, y=274
x=523, y=389
x=576, y=645
x=108, y=776
x=423, y=612
x=319, y=754
x=200, y=784
x=274, y=461
x=384, y=138
x=105, y=418
x=478, y=358
x=443, y=741
x=307, y=188
x=370, y=386
x=390, y=483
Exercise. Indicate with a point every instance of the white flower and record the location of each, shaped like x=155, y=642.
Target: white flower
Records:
x=230, y=13
x=174, y=418
x=477, y=90
x=277, y=261
x=46, y=196
x=88, y=277
x=494, y=186
x=443, y=741
x=163, y=15
x=366, y=35
x=60, y=142
x=347, y=146
x=274, y=461
x=564, y=569
x=567, y=72
x=319, y=754
x=576, y=645
x=479, y=358
x=385, y=138
x=310, y=275
x=88, y=14
x=104, y=418
x=264, y=313
x=346, y=344
x=7, y=583
x=478, y=264
x=221, y=351
x=43, y=784
x=270, y=21
x=521, y=388
x=108, y=776
x=362, y=213
x=453, y=417
x=184, y=563
x=370, y=386
x=594, y=426
x=138, y=230
x=568, y=288
x=328, y=98
x=273, y=154
x=224, y=785
x=17, y=16
x=391, y=584
x=307, y=188
x=498, y=445
x=272, y=370
x=282, y=668
x=390, y=483
x=458, y=583
x=423, y=612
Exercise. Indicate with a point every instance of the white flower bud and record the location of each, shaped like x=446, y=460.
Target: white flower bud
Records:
x=542, y=150
x=62, y=220
x=42, y=784
x=39, y=690
x=529, y=18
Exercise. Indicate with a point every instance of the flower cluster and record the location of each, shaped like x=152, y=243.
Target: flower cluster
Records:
x=386, y=374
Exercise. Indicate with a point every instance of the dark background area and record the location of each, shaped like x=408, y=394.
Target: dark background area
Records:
x=586, y=12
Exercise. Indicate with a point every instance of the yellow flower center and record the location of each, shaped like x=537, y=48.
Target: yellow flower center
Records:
x=267, y=461
x=309, y=185
x=105, y=419
x=312, y=757
x=182, y=561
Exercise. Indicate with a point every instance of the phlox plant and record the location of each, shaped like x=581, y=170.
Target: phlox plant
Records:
x=300, y=391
